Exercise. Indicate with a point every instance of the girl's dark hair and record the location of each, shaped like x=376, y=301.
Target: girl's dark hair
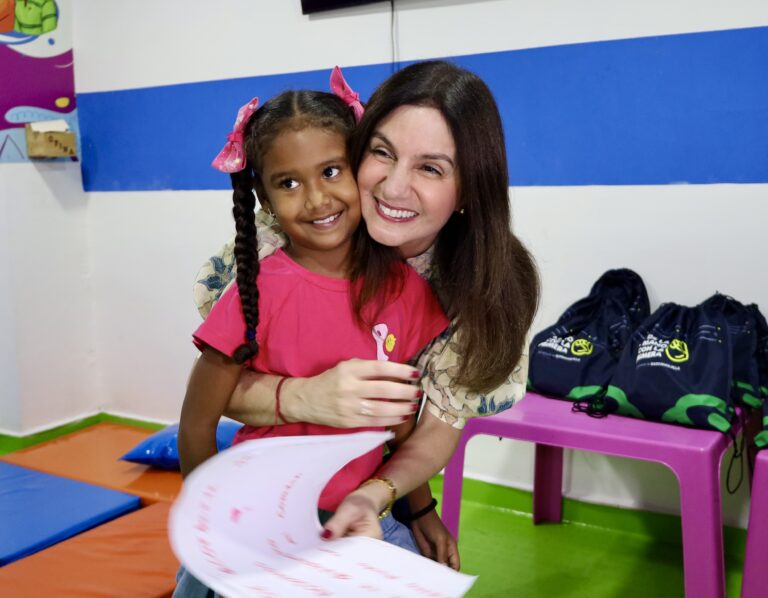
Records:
x=297, y=110
x=486, y=279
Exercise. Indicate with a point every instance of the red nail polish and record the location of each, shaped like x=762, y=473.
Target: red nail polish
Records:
x=414, y=408
x=419, y=394
x=415, y=375
x=326, y=534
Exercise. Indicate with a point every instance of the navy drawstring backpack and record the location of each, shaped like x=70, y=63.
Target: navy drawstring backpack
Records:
x=576, y=357
x=742, y=328
x=677, y=368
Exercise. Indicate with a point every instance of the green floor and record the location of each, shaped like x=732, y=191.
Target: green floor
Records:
x=598, y=552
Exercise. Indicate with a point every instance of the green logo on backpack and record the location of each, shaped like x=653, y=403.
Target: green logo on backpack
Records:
x=677, y=351
x=582, y=346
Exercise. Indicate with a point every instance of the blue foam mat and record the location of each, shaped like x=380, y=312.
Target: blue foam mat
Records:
x=38, y=510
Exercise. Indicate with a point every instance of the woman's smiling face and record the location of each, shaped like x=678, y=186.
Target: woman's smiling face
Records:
x=408, y=179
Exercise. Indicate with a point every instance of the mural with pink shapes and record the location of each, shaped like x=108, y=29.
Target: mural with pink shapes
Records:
x=37, y=71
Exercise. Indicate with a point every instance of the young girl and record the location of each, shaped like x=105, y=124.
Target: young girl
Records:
x=331, y=294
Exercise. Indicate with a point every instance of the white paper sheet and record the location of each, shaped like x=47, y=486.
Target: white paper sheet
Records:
x=246, y=524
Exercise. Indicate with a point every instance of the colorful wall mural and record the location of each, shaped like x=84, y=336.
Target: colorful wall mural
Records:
x=37, y=70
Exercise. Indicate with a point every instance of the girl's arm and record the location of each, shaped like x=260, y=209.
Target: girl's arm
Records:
x=211, y=383
x=432, y=537
x=355, y=393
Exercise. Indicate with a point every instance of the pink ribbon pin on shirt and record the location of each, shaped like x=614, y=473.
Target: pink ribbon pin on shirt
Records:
x=342, y=89
x=231, y=158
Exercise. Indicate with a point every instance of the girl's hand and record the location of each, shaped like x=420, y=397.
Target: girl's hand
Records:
x=435, y=541
x=356, y=516
x=355, y=393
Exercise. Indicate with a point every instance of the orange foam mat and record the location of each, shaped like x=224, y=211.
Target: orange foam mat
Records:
x=127, y=557
x=92, y=455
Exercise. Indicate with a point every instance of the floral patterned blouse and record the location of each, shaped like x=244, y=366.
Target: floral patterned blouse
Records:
x=446, y=400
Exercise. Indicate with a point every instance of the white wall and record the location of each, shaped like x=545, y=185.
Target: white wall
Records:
x=147, y=248
x=46, y=311
x=119, y=266
x=10, y=403
x=145, y=43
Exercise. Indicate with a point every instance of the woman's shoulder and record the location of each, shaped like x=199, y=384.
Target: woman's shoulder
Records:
x=218, y=271
x=422, y=264
x=455, y=404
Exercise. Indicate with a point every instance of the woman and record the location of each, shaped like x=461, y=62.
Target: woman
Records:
x=431, y=166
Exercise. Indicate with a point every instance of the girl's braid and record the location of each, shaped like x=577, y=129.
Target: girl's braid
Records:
x=247, y=259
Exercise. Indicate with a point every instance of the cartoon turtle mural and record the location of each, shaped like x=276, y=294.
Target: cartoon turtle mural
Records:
x=35, y=17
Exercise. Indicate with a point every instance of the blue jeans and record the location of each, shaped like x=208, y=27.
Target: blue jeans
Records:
x=393, y=532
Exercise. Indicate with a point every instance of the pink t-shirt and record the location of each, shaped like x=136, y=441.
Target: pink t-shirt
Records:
x=306, y=326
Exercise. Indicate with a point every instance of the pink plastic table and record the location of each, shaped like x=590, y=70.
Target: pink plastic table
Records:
x=693, y=455
x=755, y=582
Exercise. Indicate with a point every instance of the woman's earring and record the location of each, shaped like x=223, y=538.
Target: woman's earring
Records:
x=461, y=211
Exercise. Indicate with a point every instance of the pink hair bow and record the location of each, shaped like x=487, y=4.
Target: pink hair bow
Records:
x=231, y=158
x=340, y=88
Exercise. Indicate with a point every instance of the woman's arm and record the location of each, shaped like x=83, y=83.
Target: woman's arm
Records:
x=356, y=393
x=422, y=456
x=211, y=383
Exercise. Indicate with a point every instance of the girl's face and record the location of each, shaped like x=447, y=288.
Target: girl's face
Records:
x=310, y=188
x=408, y=179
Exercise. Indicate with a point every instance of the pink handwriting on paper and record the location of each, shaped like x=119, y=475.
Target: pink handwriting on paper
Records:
x=243, y=460
x=202, y=529
x=235, y=514
x=368, y=588
x=284, y=495
x=299, y=583
x=212, y=557
x=423, y=591
x=307, y=563
x=382, y=572
x=262, y=592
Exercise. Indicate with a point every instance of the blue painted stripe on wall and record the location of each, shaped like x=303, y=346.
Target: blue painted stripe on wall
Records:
x=689, y=108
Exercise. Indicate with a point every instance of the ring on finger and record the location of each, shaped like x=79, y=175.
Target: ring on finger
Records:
x=366, y=408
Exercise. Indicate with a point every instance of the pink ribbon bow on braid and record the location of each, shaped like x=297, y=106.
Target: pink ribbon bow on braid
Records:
x=342, y=89
x=231, y=158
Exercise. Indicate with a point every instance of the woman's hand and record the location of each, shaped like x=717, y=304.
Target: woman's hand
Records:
x=435, y=541
x=356, y=516
x=355, y=393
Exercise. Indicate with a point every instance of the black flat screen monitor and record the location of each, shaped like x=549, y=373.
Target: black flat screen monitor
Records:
x=310, y=6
